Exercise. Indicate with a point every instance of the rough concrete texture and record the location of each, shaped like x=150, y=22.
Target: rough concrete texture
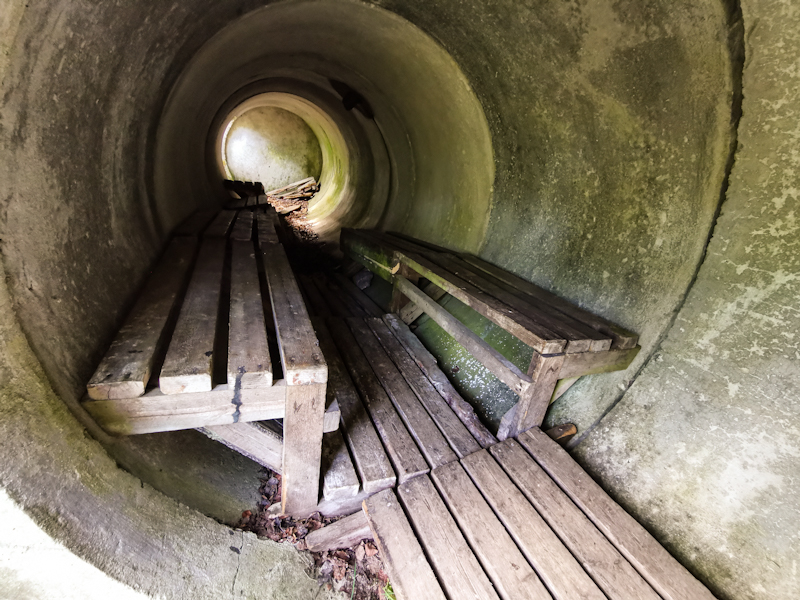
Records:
x=705, y=445
x=273, y=146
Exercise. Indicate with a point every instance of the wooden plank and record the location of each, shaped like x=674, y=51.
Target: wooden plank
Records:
x=128, y=364
x=429, y=439
x=350, y=288
x=249, y=362
x=512, y=576
x=591, y=363
x=456, y=567
x=338, y=475
x=221, y=225
x=156, y=411
x=623, y=339
x=195, y=223
x=265, y=225
x=373, y=466
x=557, y=568
x=411, y=576
x=457, y=435
x=368, y=253
x=316, y=303
x=330, y=422
x=300, y=354
x=243, y=228
x=253, y=440
x=344, y=533
x=404, y=454
x=532, y=406
x=498, y=364
x=340, y=305
x=302, y=448
x=428, y=365
x=665, y=574
x=411, y=312
x=612, y=573
x=188, y=365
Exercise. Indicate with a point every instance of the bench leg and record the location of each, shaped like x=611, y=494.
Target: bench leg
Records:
x=399, y=300
x=302, y=448
x=533, y=402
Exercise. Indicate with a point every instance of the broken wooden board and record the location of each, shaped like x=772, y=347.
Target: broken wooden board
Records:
x=344, y=533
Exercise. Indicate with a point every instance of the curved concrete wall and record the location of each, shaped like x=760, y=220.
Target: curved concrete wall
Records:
x=610, y=127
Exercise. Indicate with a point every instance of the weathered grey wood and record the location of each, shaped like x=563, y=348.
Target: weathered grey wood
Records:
x=221, y=225
x=300, y=354
x=249, y=362
x=512, y=576
x=403, y=452
x=456, y=567
x=373, y=466
x=623, y=338
x=344, y=533
x=562, y=386
x=350, y=288
x=454, y=431
x=665, y=574
x=265, y=224
x=128, y=364
x=243, y=228
x=156, y=411
x=333, y=415
x=499, y=365
x=340, y=305
x=316, y=303
x=338, y=475
x=411, y=576
x=590, y=363
x=428, y=365
x=429, y=439
x=532, y=406
x=612, y=573
x=188, y=365
x=411, y=312
x=253, y=440
x=557, y=568
x=195, y=223
x=302, y=448
x=399, y=300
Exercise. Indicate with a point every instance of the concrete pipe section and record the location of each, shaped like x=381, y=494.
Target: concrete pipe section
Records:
x=593, y=148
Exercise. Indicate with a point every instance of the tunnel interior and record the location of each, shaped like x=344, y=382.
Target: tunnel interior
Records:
x=586, y=147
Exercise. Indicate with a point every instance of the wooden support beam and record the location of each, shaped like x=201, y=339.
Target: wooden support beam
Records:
x=533, y=402
x=411, y=312
x=578, y=365
x=253, y=440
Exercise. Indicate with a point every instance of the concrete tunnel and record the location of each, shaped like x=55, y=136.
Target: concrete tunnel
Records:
x=638, y=158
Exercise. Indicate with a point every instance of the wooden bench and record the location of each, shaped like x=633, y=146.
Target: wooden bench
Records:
x=567, y=341
x=194, y=352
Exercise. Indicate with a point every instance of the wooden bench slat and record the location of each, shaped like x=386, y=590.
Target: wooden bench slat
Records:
x=428, y=365
x=373, y=466
x=558, y=569
x=591, y=363
x=667, y=576
x=249, y=362
x=253, y=440
x=456, y=567
x=316, y=303
x=265, y=224
x=411, y=312
x=350, y=288
x=188, y=366
x=195, y=224
x=457, y=435
x=339, y=307
x=403, y=452
x=512, y=576
x=300, y=354
x=127, y=366
x=243, y=228
x=411, y=576
x=429, y=439
x=615, y=576
x=220, y=226
x=336, y=291
x=344, y=533
x=339, y=479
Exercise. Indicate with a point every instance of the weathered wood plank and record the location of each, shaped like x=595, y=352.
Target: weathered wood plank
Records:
x=532, y=406
x=373, y=466
x=411, y=576
x=188, y=365
x=340, y=305
x=253, y=440
x=456, y=567
x=300, y=354
x=156, y=411
x=512, y=576
x=351, y=289
x=454, y=431
x=195, y=223
x=128, y=364
x=665, y=574
x=368, y=253
x=499, y=365
x=557, y=568
x=338, y=475
x=243, y=228
x=612, y=573
x=403, y=452
x=344, y=533
x=220, y=226
x=591, y=363
x=265, y=224
x=429, y=439
x=411, y=312
x=428, y=365
x=249, y=362
x=316, y=303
